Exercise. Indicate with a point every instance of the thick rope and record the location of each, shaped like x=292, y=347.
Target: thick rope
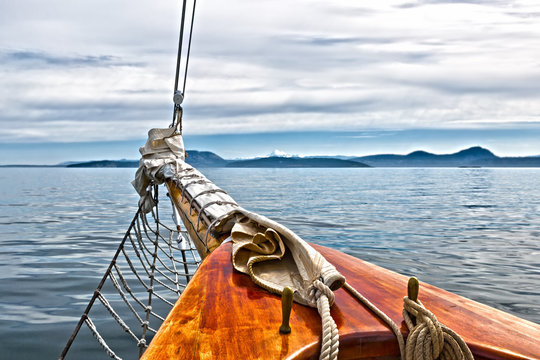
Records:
x=322, y=297
x=429, y=339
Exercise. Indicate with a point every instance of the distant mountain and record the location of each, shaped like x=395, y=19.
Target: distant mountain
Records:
x=294, y=162
x=66, y=163
x=29, y=166
x=205, y=159
x=529, y=161
x=474, y=156
x=195, y=158
x=341, y=157
x=471, y=157
x=106, y=164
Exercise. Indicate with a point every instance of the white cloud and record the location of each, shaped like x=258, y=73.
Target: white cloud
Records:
x=75, y=69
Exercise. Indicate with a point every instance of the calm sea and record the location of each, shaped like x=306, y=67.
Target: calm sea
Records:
x=475, y=232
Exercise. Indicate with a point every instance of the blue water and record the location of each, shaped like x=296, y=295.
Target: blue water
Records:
x=471, y=231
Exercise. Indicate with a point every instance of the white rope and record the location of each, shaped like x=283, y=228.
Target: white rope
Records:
x=128, y=289
x=102, y=342
x=166, y=253
x=429, y=339
x=123, y=295
x=322, y=297
x=116, y=317
x=142, y=246
x=132, y=266
x=171, y=257
x=382, y=316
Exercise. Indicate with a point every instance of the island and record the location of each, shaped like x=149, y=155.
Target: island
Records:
x=295, y=162
x=473, y=157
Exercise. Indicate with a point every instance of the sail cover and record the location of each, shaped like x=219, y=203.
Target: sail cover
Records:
x=271, y=254
x=275, y=257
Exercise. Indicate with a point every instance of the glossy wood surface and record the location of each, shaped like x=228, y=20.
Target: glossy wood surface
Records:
x=223, y=315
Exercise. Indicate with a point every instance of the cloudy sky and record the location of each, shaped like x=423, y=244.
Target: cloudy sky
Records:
x=86, y=79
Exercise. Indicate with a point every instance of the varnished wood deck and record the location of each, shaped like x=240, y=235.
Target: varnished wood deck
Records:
x=222, y=314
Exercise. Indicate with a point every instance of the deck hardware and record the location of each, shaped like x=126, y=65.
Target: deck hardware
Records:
x=412, y=289
x=286, y=307
x=178, y=97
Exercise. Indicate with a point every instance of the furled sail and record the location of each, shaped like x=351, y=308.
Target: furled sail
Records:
x=271, y=254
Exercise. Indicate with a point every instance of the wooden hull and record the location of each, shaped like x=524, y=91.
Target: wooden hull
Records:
x=222, y=314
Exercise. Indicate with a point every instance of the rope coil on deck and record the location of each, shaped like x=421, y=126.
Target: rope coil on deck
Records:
x=429, y=339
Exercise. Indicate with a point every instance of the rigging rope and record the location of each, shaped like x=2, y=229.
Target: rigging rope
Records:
x=157, y=257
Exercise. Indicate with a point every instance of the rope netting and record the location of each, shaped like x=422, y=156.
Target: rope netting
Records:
x=151, y=267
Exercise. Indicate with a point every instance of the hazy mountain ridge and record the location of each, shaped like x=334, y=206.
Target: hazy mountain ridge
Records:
x=106, y=164
x=194, y=158
x=205, y=159
x=472, y=157
x=295, y=162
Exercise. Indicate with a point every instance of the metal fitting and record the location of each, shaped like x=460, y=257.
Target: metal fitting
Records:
x=178, y=98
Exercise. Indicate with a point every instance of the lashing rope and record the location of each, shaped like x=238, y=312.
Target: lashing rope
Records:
x=429, y=339
x=149, y=245
x=100, y=339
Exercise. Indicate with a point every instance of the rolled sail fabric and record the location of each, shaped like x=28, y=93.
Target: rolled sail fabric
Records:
x=271, y=254
x=275, y=257
x=163, y=147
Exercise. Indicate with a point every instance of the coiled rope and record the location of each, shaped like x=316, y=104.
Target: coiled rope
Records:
x=428, y=339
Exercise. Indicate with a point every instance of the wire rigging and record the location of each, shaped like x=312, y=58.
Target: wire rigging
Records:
x=189, y=45
x=180, y=43
x=179, y=95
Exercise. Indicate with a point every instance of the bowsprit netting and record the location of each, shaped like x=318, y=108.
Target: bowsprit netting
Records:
x=151, y=267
